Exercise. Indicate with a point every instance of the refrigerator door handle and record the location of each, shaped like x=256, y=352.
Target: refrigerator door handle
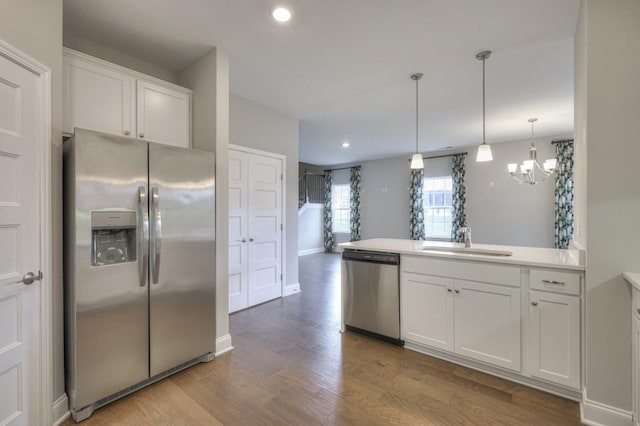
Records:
x=142, y=235
x=156, y=235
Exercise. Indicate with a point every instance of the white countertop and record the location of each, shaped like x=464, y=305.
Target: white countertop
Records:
x=528, y=256
x=633, y=278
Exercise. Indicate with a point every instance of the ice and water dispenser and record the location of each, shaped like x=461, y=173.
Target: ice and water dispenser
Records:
x=113, y=237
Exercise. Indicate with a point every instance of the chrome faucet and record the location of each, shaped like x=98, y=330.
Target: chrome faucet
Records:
x=466, y=231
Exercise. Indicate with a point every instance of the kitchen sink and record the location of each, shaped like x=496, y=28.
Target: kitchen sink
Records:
x=463, y=250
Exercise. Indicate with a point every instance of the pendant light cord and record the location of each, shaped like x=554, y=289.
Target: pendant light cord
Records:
x=417, y=115
x=483, y=103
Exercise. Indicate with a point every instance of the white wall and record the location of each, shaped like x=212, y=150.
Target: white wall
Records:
x=499, y=210
x=35, y=27
x=256, y=126
x=109, y=54
x=609, y=34
x=310, y=236
x=208, y=77
x=580, y=125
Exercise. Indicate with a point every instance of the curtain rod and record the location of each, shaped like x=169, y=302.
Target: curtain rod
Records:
x=341, y=168
x=442, y=156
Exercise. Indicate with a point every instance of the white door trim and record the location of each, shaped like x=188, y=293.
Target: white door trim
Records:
x=44, y=372
x=283, y=253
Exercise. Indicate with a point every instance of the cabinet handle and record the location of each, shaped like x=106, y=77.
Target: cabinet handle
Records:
x=534, y=303
x=126, y=132
x=449, y=290
x=553, y=282
x=141, y=135
x=457, y=291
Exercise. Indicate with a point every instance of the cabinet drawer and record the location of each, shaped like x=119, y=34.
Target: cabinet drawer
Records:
x=636, y=302
x=555, y=281
x=464, y=270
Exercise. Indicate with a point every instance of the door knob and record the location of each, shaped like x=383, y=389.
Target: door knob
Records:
x=126, y=132
x=449, y=290
x=141, y=135
x=457, y=291
x=534, y=303
x=243, y=240
x=250, y=239
x=30, y=277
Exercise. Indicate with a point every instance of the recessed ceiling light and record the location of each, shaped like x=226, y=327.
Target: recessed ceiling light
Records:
x=345, y=144
x=281, y=14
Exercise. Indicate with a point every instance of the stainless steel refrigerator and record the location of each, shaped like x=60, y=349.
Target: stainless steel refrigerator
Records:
x=139, y=264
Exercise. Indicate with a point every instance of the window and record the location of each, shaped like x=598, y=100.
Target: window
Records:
x=436, y=198
x=340, y=210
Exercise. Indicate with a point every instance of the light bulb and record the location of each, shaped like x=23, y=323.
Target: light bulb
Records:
x=281, y=14
x=484, y=153
x=550, y=164
x=416, y=161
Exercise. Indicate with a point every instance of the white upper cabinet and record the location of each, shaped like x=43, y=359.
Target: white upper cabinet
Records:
x=163, y=114
x=108, y=98
x=97, y=97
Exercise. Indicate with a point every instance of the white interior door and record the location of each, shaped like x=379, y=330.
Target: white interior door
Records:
x=20, y=124
x=238, y=230
x=265, y=235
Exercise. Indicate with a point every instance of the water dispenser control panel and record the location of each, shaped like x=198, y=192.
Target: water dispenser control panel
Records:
x=113, y=237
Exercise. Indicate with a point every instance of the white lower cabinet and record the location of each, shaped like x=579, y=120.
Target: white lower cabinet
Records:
x=477, y=320
x=523, y=320
x=427, y=310
x=487, y=323
x=553, y=343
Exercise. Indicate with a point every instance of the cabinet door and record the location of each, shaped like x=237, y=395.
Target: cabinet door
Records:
x=427, y=310
x=238, y=230
x=97, y=98
x=487, y=323
x=163, y=115
x=636, y=370
x=553, y=342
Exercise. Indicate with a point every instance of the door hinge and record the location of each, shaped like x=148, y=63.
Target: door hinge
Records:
x=281, y=227
x=281, y=178
x=280, y=277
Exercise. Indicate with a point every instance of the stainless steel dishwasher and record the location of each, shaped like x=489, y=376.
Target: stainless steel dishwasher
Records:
x=371, y=294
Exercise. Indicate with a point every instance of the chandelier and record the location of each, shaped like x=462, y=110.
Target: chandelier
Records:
x=530, y=171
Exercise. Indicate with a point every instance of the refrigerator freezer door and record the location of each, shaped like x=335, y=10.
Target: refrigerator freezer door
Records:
x=107, y=315
x=182, y=255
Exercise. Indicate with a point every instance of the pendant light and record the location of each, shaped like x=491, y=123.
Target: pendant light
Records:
x=416, y=160
x=484, y=150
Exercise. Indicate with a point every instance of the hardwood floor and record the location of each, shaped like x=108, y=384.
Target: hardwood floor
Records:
x=292, y=366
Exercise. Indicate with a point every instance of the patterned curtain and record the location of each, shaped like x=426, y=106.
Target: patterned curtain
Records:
x=459, y=198
x=564, y=193
x=416, y=213
x=329, y=242
x=354, y=204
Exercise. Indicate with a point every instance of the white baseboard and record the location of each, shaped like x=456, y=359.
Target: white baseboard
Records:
x=597, y=414
x=61, y=410
x=223, y=344
x=291, y=289
x=311, y=251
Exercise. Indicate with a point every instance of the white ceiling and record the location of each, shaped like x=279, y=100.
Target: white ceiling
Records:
x=343, y=66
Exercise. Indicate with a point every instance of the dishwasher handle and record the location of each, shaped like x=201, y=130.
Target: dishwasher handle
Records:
x=371, y=257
